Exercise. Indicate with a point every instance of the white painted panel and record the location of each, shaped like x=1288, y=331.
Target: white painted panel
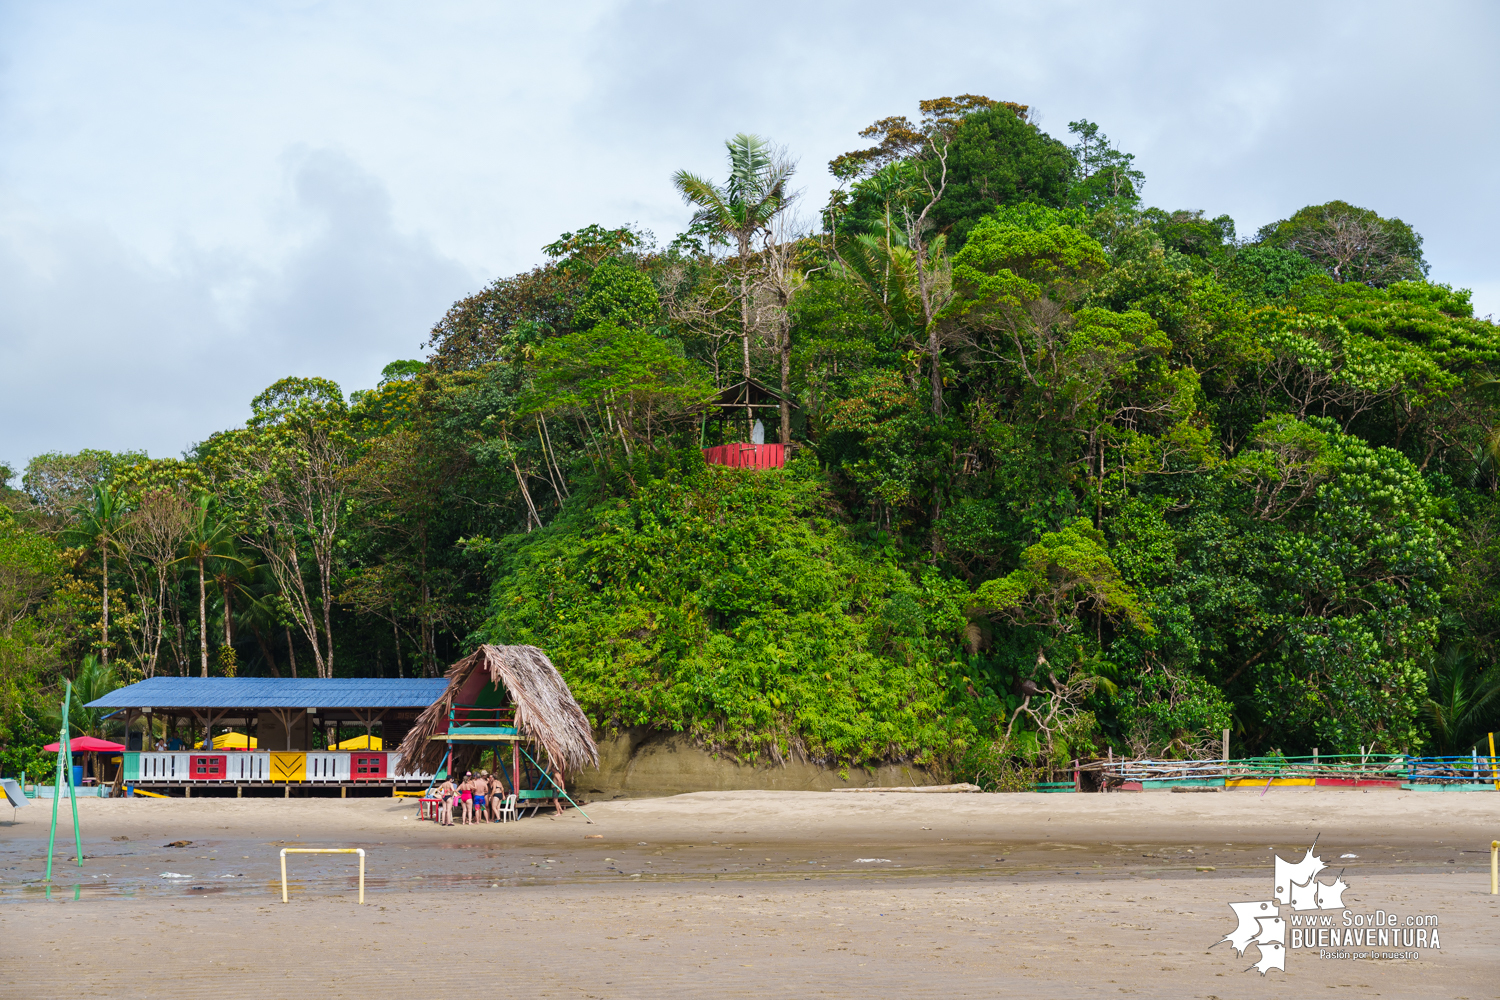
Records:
x=168, y=766
x=328, y=766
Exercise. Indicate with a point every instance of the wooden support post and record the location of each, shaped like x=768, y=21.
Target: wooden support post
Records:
x=343, y=791
x=187, y=791
x=286, y=792
x=1226, y=745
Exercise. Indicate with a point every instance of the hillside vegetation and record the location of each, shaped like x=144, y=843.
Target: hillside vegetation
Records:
x=1068, y=475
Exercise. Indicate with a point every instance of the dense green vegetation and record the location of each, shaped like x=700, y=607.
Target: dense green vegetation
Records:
x=1067, y=473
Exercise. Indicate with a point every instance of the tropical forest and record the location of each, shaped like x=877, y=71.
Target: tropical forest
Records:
x=1063, y=475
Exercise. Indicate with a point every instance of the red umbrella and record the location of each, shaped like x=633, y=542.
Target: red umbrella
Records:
x=86, y=744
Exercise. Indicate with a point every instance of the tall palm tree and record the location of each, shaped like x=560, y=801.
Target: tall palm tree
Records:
x=210, y=538
x=755, y=194
x=232, y=572
x=909, y=291
x=100, y=518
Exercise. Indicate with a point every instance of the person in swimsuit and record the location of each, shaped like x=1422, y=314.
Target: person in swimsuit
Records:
x=466, y=797
x=496, y=797
x=445, y=793
x=481, y=788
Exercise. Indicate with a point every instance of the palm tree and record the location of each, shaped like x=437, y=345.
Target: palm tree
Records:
x=94, y=680
x=1462, y=698
x=230, y=573
x=755, y=194
x=906, y=277
x=209, y=538
x=99, y=520
x=907, y=289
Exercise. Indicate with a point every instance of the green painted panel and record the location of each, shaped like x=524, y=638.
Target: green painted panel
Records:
x=491, y=695
x=133, y=766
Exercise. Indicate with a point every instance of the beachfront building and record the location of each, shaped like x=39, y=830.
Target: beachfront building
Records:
x=268, y=732
x=221, y=733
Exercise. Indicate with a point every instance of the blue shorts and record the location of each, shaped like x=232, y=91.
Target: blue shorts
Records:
x=479, y=800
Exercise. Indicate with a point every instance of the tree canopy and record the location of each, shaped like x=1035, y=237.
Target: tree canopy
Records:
x=1067, y=474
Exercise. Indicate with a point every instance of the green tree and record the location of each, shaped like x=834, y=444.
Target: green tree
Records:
x=288, y=471
x=1463, y=700
x=1105, y=175
x=1348, y=553
x=1350, y=243
x=1067, y=572
x=209, y=542
x=99, y=521
x=57, y=483
x=633, y=385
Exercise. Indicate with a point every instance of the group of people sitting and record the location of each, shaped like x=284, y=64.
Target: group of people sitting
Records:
x=478, y=797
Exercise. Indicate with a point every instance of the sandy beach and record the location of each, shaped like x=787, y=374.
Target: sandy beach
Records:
x=741, y=893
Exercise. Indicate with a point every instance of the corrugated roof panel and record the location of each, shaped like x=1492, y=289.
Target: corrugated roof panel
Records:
x=276, y=692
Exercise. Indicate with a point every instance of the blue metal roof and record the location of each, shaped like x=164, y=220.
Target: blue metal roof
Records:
x=276, y=692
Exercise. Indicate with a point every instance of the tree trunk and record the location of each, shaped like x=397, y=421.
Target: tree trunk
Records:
x=202, y=619
x=104, y=630
x=228, y=615
x=934, y=351
x=744, y=240
x=786, y=375
x=291, y=651
x=265, y=650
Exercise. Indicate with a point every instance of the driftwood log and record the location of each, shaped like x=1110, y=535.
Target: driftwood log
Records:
x=962, y=786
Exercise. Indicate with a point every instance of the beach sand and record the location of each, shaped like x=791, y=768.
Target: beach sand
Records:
x=739, y=894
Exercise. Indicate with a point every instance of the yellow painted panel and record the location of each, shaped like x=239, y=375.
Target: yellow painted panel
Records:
x=1261, y=782
x=288, y=766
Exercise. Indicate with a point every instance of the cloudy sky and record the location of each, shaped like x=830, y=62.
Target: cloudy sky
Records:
x=198, y=198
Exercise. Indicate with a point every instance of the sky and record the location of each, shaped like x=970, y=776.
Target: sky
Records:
x=199, y=198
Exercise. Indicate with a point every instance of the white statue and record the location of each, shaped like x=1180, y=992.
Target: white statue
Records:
x=758, y=433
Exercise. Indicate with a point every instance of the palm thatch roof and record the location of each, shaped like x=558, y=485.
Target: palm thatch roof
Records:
x=546, y=712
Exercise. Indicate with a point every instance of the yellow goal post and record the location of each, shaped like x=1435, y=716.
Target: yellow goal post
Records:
x=324, y=850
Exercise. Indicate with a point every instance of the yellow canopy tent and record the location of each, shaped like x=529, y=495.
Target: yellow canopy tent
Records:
x=232, y=741
x=360, y=743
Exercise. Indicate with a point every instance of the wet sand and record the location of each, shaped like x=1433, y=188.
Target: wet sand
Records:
x=740, y=893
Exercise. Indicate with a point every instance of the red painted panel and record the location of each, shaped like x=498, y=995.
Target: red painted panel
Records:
x=367, y=765
x=747, y=456
x=206, y=767
x=1357, y=783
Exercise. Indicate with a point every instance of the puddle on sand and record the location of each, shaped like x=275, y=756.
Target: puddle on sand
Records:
x=252, y=867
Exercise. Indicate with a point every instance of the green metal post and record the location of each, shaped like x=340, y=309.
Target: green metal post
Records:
x=554, y=784
x=57, y=784
x=64, y=766
x=72, y=789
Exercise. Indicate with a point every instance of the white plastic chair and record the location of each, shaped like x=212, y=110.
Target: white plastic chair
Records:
x=508, y=808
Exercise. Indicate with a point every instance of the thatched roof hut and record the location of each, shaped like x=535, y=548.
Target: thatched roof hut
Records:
x=523, y=677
